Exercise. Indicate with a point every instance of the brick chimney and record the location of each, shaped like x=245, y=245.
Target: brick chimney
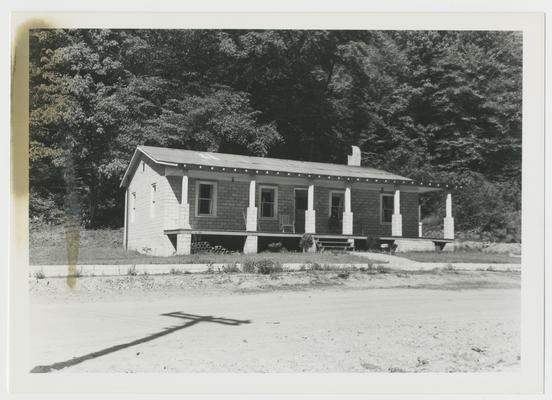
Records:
x=354, y=159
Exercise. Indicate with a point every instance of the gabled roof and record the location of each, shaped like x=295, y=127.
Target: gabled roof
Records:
x=202, y=159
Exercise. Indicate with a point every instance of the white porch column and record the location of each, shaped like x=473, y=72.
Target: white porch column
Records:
x=420, y=225
x=184, y=205
x=251, y=241
x=448, y=223
x=396, y=219
x=347, y=214
x=310, y=213
x=184, y=239
x=251, y=218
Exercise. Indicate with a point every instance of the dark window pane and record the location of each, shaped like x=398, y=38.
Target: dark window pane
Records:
x=204, y=206
x=336, y=200
x=267, y=210
x=388, y=202
x=205, y=191
x=267, y=195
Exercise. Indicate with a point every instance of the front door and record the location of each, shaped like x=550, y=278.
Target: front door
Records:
x=301, y=203
x=337, y=200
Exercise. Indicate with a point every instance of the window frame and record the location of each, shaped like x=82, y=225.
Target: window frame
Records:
x=275, y=203
x=382, y=195
x=331, y=193
x=214, y=198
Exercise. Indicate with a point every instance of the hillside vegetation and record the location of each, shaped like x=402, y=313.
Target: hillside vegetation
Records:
x=431, y=105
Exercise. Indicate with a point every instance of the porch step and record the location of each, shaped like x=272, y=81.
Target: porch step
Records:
x=334, y=244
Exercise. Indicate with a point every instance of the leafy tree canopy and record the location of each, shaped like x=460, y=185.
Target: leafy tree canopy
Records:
x=426, y=104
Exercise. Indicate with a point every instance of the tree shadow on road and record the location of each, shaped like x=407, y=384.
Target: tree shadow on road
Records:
x=192, y=320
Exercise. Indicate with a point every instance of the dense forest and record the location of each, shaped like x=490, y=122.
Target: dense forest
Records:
x=439, y=105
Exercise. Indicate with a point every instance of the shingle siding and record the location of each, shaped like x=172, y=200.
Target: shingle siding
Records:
x=232, y=199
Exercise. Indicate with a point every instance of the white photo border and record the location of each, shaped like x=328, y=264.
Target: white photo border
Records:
x=529, y=379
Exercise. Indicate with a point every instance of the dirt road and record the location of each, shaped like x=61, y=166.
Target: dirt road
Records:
x=327, y=329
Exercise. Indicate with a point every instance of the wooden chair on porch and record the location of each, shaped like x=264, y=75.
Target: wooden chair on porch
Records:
x=286, y=222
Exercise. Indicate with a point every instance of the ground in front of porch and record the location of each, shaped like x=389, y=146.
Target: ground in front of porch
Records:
x=47, y=246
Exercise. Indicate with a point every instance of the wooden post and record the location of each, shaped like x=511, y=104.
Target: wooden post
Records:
x=396, y=219
x=310, y=213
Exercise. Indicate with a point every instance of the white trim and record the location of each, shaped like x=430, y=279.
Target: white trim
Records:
x=275, y=210
x=125, y=223
x=215, y=197
x=382, y=195
x=330, y=202
x=156, y=161
x=133, y=161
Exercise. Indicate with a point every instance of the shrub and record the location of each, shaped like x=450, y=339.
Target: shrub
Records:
x=380, y=269
x=306, y=242
x=373, y=243
x=275, y=247
x=266, y=266
x=230, y=268
x=175, y=271
x=449, y=268
x=249, y=266
x=132, y=271
x=39, y=274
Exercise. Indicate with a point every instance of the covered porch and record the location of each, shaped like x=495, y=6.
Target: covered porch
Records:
x=326, y=242
x=311, y=204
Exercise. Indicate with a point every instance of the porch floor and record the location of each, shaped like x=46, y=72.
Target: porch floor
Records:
x=296, y=235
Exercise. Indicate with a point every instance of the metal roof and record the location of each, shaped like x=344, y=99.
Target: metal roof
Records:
x=178, y=156
x=250, y=164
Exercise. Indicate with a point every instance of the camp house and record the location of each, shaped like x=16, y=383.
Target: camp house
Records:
x=174, y=197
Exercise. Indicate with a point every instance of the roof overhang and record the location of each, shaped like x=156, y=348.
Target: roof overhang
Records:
x=409, y=184
x=134, y=163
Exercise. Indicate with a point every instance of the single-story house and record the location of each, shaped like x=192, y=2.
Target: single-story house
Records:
x=175, y=196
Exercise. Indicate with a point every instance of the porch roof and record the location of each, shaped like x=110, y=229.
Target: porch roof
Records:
x=251, y=164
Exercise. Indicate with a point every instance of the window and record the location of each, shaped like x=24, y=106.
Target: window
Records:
x=387, y=208
x=132, y=206
x=269, y=200
x=153, y=198
x=143, y=166
x=206, y=199
x=337, y=201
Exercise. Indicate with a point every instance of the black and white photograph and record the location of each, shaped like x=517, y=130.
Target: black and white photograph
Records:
x=298, y=200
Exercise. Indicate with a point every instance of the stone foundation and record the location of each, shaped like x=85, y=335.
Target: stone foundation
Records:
x=251, y=245
x=184, y=244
